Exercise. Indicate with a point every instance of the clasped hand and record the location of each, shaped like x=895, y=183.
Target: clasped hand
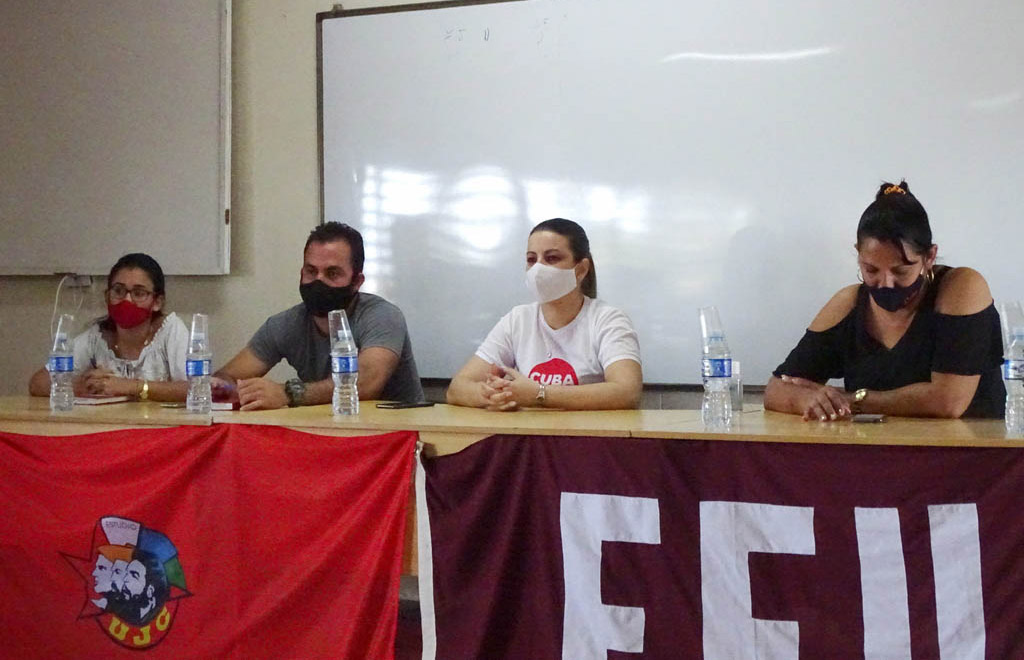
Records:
x=103, y=382
x=505, y=389
x=821, y=402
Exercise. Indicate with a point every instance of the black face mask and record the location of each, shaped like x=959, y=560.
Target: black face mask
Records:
x=897, y=297
x=320, y=299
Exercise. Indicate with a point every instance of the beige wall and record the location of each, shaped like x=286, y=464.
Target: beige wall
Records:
x=274, y=196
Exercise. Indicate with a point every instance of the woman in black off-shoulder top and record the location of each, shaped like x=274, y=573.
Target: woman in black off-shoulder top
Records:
x=914, y=339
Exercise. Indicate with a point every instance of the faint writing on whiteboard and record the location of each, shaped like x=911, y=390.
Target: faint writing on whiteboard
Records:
x=454, y=33
x=459, y=40
x=539, y=27
x=542, y=29
x=460, y=34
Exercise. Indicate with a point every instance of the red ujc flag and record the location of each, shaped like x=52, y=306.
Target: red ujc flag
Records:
x=228, y=541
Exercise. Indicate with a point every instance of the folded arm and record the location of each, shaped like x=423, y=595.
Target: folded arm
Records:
x=246, y=373
x=621, y=389
x=502, y=388
x=101, y=382
x=470, y=386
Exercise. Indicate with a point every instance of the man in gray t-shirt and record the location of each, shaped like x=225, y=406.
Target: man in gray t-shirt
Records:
x=332, y=272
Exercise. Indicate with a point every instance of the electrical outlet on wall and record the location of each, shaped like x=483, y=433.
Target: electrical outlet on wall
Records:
x=79, y=281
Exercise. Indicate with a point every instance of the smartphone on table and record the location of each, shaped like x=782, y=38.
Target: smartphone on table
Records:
x=402, y=405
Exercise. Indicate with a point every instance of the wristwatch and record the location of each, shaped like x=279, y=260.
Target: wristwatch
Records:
x=542, y=394
x=144, y=391
x=858, y=398
x=295, y=390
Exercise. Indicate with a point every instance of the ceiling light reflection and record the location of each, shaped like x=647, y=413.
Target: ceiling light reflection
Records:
x=403, y=193
x=778, y=56
x=996, y=102
x=482, y=204
x=628, y=210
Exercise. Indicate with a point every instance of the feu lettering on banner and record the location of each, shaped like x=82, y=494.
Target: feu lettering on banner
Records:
x=729, y=533
x=554, y=372
x=587, y=521
x=134, y=581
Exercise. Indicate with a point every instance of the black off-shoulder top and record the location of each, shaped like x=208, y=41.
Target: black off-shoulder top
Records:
x=963, y=345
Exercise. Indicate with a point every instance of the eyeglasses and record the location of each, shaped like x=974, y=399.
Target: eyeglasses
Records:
x=139, y=294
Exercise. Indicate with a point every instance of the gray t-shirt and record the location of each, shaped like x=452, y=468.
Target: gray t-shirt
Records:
x=292, y=335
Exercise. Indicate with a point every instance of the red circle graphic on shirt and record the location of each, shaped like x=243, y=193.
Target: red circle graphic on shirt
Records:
x=554, y=372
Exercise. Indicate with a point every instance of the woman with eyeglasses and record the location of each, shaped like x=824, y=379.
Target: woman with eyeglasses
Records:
x=135, y=350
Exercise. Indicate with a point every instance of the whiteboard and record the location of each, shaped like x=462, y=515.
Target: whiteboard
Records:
x=716, y=153
x=115, y=125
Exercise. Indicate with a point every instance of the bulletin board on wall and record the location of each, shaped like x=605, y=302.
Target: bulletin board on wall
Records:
x=116, y=134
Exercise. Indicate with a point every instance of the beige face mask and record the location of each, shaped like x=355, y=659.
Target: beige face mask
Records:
x=548, y=283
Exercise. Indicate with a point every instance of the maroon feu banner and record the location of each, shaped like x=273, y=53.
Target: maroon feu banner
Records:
x=212, y=542
x=604, y=548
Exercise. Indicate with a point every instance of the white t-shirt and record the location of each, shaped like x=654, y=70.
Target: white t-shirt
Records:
x=162, y=359
x=577, y=354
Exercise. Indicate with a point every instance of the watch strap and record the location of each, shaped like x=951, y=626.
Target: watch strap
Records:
x=295, y=390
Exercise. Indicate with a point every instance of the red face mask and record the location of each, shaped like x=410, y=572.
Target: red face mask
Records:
x=127, y=314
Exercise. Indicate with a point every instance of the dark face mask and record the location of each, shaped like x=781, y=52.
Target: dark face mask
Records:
x=894, y=298
x=320, y=298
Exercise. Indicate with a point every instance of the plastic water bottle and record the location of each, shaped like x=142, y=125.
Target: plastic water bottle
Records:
x=716, y=370
x=62, y=368
x=344, y=364
x=197, y=367
x=1013, y=376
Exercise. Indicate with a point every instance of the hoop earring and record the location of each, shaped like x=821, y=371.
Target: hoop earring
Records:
x=860, y=278
x=930, y=276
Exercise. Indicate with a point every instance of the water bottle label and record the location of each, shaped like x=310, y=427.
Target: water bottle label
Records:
x=197, y=368
x=1013, y=370
x=716, y=368
x=62, y=363
x=344, y=365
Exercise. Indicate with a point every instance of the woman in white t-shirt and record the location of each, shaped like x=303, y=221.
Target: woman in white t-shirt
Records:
x=568, y=350
x=135, y=350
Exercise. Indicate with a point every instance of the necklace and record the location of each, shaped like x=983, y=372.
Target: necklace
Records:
x=149, y=337
x=117, y=347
